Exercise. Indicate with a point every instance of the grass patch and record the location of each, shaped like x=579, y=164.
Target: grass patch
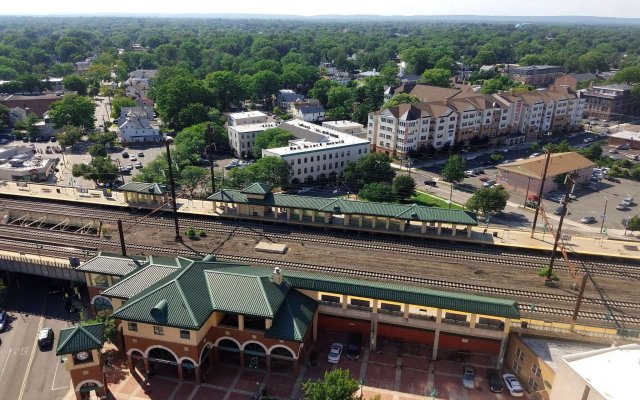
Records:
x=429, y=200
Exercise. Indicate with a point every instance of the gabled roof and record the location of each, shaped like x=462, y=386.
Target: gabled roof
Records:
x=111, y=264
x=138, y=280
x=293, y=318
x=560, y=163
x=143, y=188
x=340, y=206
x=257, y=188
x=80, y=338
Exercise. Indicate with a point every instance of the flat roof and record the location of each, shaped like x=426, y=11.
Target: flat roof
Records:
x=253, y=127
x=626, y=135
x=247, y=114
x=612, y=372
x=560, y=163
x=551, y=351
x=342, y=124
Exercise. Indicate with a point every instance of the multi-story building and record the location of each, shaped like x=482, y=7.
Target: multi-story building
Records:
x=502, y=117
x=536, y=75
x=243, y=137
x=246, y=117
x=286, y=97
x=317, y=153
x=350, y=127
x=610, y=102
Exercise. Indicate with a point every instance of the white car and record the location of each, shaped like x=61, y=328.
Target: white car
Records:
x=469, y=173
x=335, y=353
x=512, y=384
x=534, y=155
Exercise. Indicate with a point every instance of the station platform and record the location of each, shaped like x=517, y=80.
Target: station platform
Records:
x=615, y=245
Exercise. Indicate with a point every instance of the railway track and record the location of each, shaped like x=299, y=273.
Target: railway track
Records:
x=405, y=246
x=375, y=275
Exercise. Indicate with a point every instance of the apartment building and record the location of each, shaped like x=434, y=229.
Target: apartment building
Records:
x=317, y=153
x=536, y=75
x=610, y=102
x=242, y=137
x=502, y=117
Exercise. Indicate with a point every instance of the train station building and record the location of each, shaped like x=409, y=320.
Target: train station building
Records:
x=186, y=316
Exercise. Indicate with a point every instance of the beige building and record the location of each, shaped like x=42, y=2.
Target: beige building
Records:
x=606, y=374
x=525, y=176
x=344, y=126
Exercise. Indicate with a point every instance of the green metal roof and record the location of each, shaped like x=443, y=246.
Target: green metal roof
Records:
x=111, y=264
x=339, y=206
x=80, y=338
x=137, y=281
x=142, y=187
x=403, y=294
x=258, y=188
x=293, y=318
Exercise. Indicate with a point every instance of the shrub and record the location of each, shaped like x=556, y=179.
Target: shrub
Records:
x=545, y=271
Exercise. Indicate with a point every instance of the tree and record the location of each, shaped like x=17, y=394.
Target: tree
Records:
x=189, y=145
x=493, y=85
x=29, y=124
x=561, y=147
x=97, y=150
x=4, y=117
x=404, y=187
x=226, y=88
x=99, y=170
x=495, y=158
x=193, y=114
x=377, y=191
x=75, y=83
x=436, y=77
x=592, y=61
x=629, y=75
x=106, y=139
x=190, y=177
x=73, y=110
x=370, y=168
x=155, y=171
x=453, y=170
x=321, y=89
x=265, y=84
x=634, y=223
x=400, y=98
x=110, y=330
x=118, y=102
x=70, y=136
x=337, y=384
x=271, y=138
x=170, y=93
x=271, y=170
x=488, y=200
x=593, y=152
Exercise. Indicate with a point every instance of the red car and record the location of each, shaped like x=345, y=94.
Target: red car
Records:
x=484, y=178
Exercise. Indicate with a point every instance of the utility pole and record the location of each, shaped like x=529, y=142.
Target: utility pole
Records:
x=121, y=232
x=544, y=177
x=604, y=214
x=565, y=199
x=210, y=151
x=173, y=191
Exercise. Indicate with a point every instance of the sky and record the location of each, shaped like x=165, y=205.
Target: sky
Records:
x=603, y=8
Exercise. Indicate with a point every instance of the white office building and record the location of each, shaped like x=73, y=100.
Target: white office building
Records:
x=246, y=117
x=318, y=152
x=243, y=137
x=350, y=127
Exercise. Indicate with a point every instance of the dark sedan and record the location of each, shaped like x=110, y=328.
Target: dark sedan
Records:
x=494, y=381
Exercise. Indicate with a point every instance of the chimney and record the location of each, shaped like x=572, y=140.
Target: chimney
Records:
x=277, y=276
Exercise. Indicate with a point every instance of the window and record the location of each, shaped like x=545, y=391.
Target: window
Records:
x=348, y=153
x=360, y=303
x=133, y=327
x=336, y=165
x=329, y=298
x=533, y=384
x=184, y=334
x=298, y=171
x=519, y=354
x=390, y=307
x=324, y=156
x=516, y=367
x=299, y=161
x=311, y=169
x=98, y=280
x=305, y=170
x=536, y=370
x=331, y=155
x=158, y=330
x=305, y=160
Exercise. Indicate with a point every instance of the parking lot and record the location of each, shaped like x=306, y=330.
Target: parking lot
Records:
x=27, y=371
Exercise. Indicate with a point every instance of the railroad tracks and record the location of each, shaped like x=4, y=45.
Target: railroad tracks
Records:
x=527, y=295
x=405, y=246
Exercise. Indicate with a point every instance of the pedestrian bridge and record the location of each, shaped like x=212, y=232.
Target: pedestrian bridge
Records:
x=33, y=264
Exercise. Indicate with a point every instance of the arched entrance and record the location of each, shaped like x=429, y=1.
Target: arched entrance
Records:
x=188, y=370
x=228, y=352
x=102, y=306
x=162, y=362
x=255, y=356
x=85, y=388
x=282, y=359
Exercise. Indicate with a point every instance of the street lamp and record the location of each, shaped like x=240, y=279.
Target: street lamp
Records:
x=178, y=238
x=210, y=153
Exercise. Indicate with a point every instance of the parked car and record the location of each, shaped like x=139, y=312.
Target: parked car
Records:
x=140, y=154
x=484, y=178
x=431, y=182
x=478, y=171
x=138, y=165
x=558, y=211
x=125, y=154
x=622, y=207
x=53, y=139
x=335, y=353
x=4, y=320
x=489, y=183
x=588, y=219
x=629, y=200
x=4, y=141
x=613, y=151
x=133, y=158
x=353, y=349
x=513, y=385
x=493, y=379
x=588, y=140
x=534, y=155
x=613, y=179
x=129, y=167
x=469, y=378
x=45, y=337
x=469, y=173
x=624, y=146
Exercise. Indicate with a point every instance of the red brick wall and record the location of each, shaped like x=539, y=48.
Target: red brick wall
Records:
x=337, y=324
x=178, y=348
x=406, y=334
x=77, y=376
x=450, y=341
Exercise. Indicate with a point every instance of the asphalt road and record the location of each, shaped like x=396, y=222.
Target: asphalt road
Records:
x=26, y=371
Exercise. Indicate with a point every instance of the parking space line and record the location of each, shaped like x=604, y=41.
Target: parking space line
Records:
x=33, y=352
x=5, y=364
x=55, y=373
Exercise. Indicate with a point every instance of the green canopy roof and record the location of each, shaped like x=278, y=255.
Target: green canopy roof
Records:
x=80, y=338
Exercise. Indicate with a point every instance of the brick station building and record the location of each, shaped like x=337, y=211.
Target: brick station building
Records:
x=187, y=316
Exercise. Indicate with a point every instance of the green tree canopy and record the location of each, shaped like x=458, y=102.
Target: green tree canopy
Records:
x=271, y=170
x=75, y=83
x=377, y=191
x=226, y=88
x=337, y=384
x=191, y=177
x=488, y=200
x=99, y=170
x=4, y=117
x=73, y=110
x=370, y=168
x=634, y=223
x=155, y=171
x=271, y=138
x=404, y=186
x=453, y=170
x=193, y=114
x=436, y=77
x=190, y=144
x=593, y=152
x=400, y=98
x=493, y=85
x=70, y=136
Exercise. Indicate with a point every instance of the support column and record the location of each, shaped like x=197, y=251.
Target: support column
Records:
x=296, y=366
x=198, y=375
x=345, y=302
x=130, y=363
x=406, y=311
x=313, y=216
x=472, y=320
x=275, y=212
x=388, y=221
x=346, y=219
x=374, y=306
x=241, y=359
x=403, y=224
x=241, y=322
x=374, y=332
x=289, y=211
x=145, y=360
x=373, y=223
x=301, y=215
x=503, y=350
x=361, y=217
x=326, y=218
x=469, y=231
x=439, y=225
x=436, y=341
x=315, y=326
x=268, y=362
x=423, y=228
x=454, y=227
x=180, y=372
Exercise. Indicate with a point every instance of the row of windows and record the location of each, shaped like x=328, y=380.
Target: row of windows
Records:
x=324, y=156
x=324, y=168
x=159, y=330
